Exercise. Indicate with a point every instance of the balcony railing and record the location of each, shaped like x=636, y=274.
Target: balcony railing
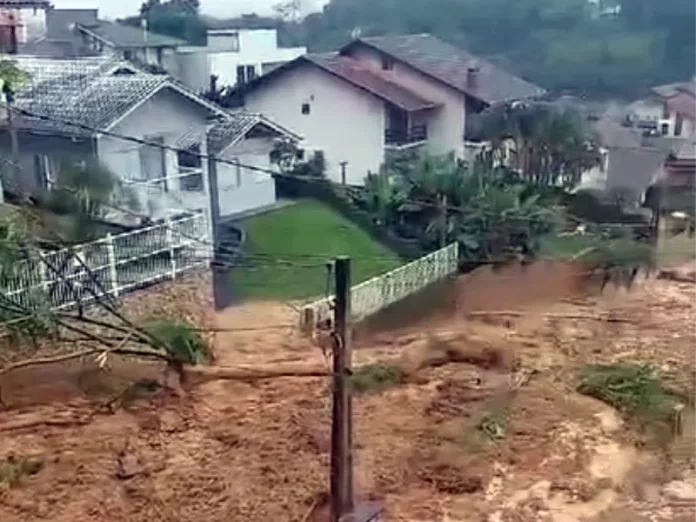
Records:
x=189, y=179
x=405, y=137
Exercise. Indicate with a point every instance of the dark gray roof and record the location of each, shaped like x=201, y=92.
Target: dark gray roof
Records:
x=87, y=91
x=230, y=130
x=380, y=85
x=235, y=125
x=95, y=104
x=126, y=36
x=450, y=65
x=634, y=168
x=26, y=3
x=61, y=22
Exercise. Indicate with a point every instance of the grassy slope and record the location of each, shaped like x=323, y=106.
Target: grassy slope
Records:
x=304, y=236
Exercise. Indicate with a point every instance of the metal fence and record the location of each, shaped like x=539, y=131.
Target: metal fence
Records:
x=112, y=265
x=379, y=292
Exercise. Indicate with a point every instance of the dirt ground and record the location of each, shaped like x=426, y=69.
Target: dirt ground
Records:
x=229, y=451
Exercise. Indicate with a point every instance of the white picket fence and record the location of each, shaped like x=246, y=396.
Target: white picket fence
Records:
x=377, y=293
x=112, y=265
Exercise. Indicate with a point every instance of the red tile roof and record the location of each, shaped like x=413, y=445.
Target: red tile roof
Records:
x=358, y=74
x=683, y=104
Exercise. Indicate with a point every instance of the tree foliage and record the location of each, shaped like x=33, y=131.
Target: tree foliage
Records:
x=607, y=48
x=552, y=144
x=86, y=192
x=175, y=18
x=494, y=214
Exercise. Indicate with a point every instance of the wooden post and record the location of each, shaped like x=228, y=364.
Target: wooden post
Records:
x=443, y=220
x=169, y=237
x=341, y=425
x=113, y=271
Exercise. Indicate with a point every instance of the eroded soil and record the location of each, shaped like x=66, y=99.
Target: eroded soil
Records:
x=504, y=442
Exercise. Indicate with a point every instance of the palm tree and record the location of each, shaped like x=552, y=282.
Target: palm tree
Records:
x=552, y=146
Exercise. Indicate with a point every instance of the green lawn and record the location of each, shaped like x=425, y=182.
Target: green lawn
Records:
x=287, y=250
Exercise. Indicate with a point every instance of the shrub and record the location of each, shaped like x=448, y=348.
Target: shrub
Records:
x=634, y=390
x=181, y=340
x=376, y=377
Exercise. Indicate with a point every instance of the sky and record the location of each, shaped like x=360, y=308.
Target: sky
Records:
x=221, y=8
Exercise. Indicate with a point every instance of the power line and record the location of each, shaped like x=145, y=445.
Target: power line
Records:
x=255, y=168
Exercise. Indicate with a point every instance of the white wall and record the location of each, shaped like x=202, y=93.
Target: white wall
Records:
x=31, y=21
x=446, y=124
x=167, y=115
x=651, y=109
x=254, y=47
x=241, y=189
x=346, y=123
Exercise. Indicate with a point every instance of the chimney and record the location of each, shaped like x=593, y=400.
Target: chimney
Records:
x=472, y=76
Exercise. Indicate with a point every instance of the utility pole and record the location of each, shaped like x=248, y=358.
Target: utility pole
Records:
x=443, y=220
x=341, y=422
x=343, y=172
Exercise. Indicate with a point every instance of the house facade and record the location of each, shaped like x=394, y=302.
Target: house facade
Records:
x=669, y=110
x=378, y=97
x=234, y=56
x=148, y=130
x=21, y=21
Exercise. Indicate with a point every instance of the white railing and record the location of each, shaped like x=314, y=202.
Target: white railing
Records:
x=188, y=179
x=112, y=265
x=379, y=292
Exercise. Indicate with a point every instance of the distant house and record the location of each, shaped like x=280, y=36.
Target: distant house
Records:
x=379, y=96
x=77, y=110
x=21, y=22
x=244, y=141
x=628, y=166
x=79, y=32
x=234, y=56
x=669, y=110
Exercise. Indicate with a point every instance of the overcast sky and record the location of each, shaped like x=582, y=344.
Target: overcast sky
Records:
x=221, y=8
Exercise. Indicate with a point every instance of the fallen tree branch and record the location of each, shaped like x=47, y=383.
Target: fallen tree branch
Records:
x=512, y=313
x=201, y=374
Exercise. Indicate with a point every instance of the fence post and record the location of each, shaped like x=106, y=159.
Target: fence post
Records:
x=113, y=272
x=169, y=235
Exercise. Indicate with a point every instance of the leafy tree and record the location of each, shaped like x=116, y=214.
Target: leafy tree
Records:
x=175, y=18
x=87, y=193
x=552, y=145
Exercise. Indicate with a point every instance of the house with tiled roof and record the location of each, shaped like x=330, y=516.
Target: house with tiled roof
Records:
x=153, y=133
x=376, y=97
x=669, y=110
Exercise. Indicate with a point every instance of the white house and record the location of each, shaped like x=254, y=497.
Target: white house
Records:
x=669, y=110
x=21, y=21
x=377, y=96
x=234, y=56
x=149, y=130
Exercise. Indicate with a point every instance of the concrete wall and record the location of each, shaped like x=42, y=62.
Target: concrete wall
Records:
x=346, y=123
x=242, y=189
x=169, y=116
x=445, y=125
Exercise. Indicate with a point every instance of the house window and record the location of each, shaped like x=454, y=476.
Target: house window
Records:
x=153, y=159
x=241, y=77
x=387, y=64
x=42, y=170
x=305, y=108
x=664, y=128
x=250, y=72
x=190, y=169
x=127, y=55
